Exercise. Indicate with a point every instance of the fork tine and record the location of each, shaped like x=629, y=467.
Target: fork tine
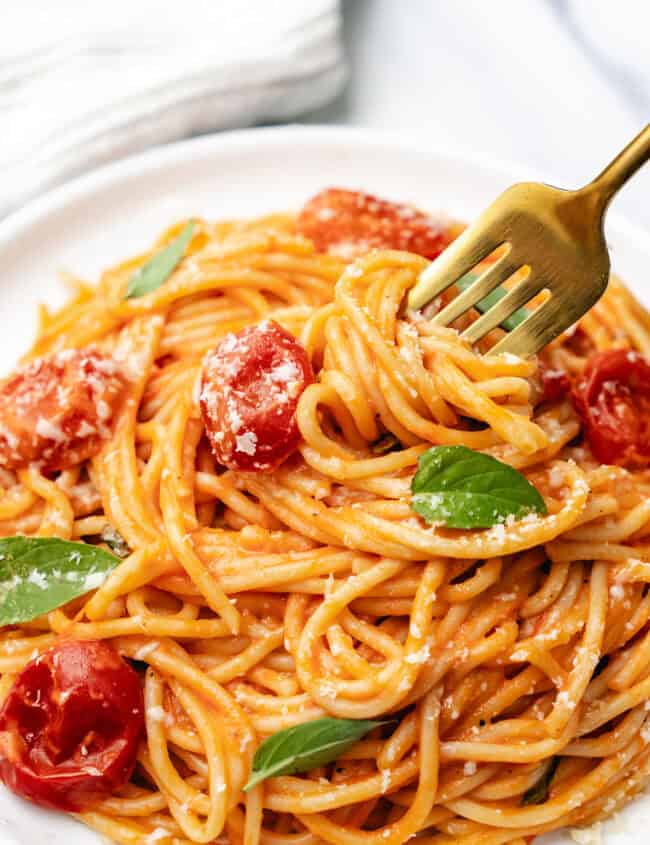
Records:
x=514, y=299
x=464, y=253
x=545, y=323
x=478, y=290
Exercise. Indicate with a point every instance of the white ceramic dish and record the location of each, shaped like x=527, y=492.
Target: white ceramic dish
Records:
x=114, y=212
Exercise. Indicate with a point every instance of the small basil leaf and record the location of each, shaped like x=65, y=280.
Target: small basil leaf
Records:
x=465, y=489
x=39, y=574
x=115, y=542
x=538, y=792
x=160, y=266
x=306, y=747
x=385, y=444
x=511, y=322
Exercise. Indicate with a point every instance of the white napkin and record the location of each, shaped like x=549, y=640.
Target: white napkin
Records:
x=616, y=34
x=83, y=81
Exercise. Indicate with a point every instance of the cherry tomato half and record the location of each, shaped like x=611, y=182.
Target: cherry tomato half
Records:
x=613, y=401
x=555, y=384
x=351, y=223
x=70, y=726
x=57, y=410
x=250, y=390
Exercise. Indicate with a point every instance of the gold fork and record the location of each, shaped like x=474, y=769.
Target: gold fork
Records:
x=552, y=237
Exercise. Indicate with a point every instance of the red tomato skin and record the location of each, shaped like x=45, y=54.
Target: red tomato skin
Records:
x=250, y=390
x=57, y=410
x=556, y=384
x=351, y=223
x=70, y=726
x=613, y=401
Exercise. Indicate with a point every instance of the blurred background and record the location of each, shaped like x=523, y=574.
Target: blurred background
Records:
x=557, y=86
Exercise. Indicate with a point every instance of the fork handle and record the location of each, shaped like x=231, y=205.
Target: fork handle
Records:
x=622, y=168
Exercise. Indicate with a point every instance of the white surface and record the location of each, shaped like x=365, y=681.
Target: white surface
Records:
x=616, y=33
x=107, y=216
x=557, y=84
x=83, y=82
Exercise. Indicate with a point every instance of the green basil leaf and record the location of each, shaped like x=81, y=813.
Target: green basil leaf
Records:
x=538, y=792
x=39, y=574
x=115, y=542
x=160, y=266
x=511, y=322
x=465, y=489
x=385, y=444
x=306, y=747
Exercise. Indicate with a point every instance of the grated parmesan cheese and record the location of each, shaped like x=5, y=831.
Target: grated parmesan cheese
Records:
x=94, y=580
x=157, y=834
x=587, y=835
x=48, y=430
x=157, y=714
x=246, y=443
x=38, y=579
x=418, y=657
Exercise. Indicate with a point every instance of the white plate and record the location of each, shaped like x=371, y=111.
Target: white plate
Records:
x=114, y=212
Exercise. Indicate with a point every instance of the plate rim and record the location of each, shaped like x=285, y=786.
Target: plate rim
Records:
x=164, y=155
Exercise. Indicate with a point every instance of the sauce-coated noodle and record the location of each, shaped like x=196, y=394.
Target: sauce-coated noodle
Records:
x=259, y=601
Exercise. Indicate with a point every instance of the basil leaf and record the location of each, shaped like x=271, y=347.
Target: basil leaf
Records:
x=39, y=574
x=160, y=266
x=307, y=746
x=538, y=792
x=511, y=322
x=466, y=489
x=385, y=444
x=115, y=542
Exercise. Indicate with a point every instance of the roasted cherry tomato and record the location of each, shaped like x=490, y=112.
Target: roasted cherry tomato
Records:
x=576, y=340
x=250, y=390
x=555, y=384
x=70, y=726
x=613, y=401
x=57, y=410
x=350, y=223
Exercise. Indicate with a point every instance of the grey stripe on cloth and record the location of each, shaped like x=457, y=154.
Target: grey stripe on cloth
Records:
x=80, y=87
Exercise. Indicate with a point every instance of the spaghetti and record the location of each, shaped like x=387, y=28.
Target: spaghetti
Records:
x=252, y=601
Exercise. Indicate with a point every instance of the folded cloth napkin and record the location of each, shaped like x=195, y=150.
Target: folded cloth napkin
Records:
x=83, y=82
x=616, y=36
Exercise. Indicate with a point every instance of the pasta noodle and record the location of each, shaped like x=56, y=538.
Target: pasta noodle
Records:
x=257, y=601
